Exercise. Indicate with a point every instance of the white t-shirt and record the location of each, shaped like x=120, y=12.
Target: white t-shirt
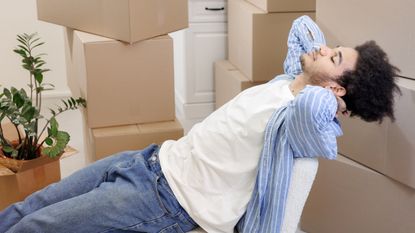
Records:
x=212, y=170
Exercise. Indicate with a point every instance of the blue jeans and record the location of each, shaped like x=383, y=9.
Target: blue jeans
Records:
x=126, y=192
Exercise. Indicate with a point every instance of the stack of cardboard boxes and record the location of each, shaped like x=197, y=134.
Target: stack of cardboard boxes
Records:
x=257, y=42
x=371, y=187
x=120, y=59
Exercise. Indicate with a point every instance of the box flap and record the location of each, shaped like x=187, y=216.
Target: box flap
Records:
x=4, y=171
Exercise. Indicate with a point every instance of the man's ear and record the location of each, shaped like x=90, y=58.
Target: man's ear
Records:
x=337, y=89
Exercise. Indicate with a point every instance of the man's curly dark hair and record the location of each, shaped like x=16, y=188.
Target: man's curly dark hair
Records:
x=370, y=88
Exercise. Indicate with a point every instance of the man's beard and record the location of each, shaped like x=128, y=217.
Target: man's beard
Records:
x=319, y=79
x=302, y=61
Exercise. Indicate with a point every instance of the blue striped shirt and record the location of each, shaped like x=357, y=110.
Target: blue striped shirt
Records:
x=306, y=127
x=304, y=37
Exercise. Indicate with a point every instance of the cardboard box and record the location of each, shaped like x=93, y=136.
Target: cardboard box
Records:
x=111, y=140
x=72, y=80
x=347, y=197
x=285, y=5
x=126, y=20
x=389, y=147
x=229, y=82
x=257, y=40
x=122, y=83
x=32, y=175
x=360, y=21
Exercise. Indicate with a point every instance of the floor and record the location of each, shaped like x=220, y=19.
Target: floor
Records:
x=72, y=123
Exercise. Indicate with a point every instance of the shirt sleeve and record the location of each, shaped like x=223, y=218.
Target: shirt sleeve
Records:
x=304, y=37
x=312, y=126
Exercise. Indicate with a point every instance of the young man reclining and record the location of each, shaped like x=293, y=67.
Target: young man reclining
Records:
x=208, y=177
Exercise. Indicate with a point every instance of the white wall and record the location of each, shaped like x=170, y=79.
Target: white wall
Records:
x=20, y=16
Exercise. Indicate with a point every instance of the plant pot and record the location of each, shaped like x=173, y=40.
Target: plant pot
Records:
x=19, y=165
x=32, y=175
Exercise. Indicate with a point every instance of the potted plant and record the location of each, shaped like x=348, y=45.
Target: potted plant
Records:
x=37, y=136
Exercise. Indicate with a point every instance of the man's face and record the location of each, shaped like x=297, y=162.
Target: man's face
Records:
x=328, y=64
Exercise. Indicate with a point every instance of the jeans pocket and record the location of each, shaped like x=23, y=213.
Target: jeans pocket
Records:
x=175, y=228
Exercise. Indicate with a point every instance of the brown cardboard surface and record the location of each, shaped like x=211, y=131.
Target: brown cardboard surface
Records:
x=110, y=140
x=229, y=82
x=386, y=22
x=257, y=41
x=16, y=186
x=347, y=197
x=389, y=147
x=122, y=83
x=126, y=20
x=72, y=79
x=32, y=175
x=284, y=5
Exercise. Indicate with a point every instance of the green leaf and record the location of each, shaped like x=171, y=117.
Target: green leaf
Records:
x=29, y=113
x=60, y=142
x=81, y=101
x=39, y=63
x=39, y=77
x=73, y=101
x=21, y=40
x=8, y=149
x=13, y=90
x=37, y=45
x=7, y=93
x=23, y=93
x=21, y=52
x=49, y=141
x=27, y=67
x=53, y=127
x=18, y=99
x=40, y=89
x=33, y=41
x=66, y=105
x=23, y=48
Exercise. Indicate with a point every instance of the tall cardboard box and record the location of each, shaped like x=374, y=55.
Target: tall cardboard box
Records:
x=111, y=140
x=284, y=5
x=257, y=40
x=229, y=82
x=347, y=197
x=72, y=80
x=122, y=83
x=126, y=20
x=386, y=22
x=388, y=147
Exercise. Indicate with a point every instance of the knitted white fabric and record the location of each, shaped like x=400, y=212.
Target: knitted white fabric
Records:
x=302, y=178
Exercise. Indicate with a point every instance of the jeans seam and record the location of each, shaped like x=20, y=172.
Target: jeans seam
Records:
x=135, y=225
x=171, y=227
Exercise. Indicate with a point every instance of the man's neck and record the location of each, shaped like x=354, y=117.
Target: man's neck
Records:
x=298, y=84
